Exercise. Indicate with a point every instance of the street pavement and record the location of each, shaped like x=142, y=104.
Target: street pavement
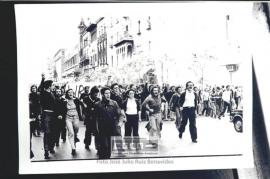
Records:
x=215, y=137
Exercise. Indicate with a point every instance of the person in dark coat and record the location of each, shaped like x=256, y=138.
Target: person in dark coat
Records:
x=73, y=116
x=108, y=113
x=117, y=96
x=34, y=115
x=188, y=104
x=35, y=111
x=175, y=115
x=90, y=118
x=145, y=94
x=60, y=123
x=84, y=96
x=47, y=102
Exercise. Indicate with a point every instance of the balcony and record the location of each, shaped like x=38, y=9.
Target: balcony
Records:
x=126, y=37
x=91, y=27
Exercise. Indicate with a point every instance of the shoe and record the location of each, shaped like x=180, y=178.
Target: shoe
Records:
x=52, y=151
x=64, y=140
x=87, y=147
x=180, y=135
x=73, y=152
x=46, y=155
x=219, y=117
x=31, y=154
x=57, y=144
x=194, y=141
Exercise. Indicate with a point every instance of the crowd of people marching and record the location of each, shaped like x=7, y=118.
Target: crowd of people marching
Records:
x=56, y=112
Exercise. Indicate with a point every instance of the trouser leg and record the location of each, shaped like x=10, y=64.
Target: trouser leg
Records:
x=88, y=135
x=105, y=147
x=192, y=123
x=63, y=130
x=47, y=139
x=184, y=121
x=70, y=133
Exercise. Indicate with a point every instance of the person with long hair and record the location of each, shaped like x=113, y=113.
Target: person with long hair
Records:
x=153, y=105
x=73, y=116
x=35, y=111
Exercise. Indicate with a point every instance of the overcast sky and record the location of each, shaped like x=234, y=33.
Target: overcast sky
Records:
x=43, y=29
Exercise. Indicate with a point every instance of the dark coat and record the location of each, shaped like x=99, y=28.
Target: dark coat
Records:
x=90, y=109
x=108, y=113
x=34, y=105
x=117, y=98
x=78, y=105
x=173, y=102
x=60, y=107
x=182, y=100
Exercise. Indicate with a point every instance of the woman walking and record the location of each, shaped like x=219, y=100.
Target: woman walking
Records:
x=73, y=116
x=132, y=108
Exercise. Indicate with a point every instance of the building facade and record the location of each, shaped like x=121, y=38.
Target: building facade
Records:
x=58, y=60
x=71, y=68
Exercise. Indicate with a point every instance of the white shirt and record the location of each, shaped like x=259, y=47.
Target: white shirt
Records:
x=131, y=107
x=206, y=95
x=226, y=96
x=189, y=99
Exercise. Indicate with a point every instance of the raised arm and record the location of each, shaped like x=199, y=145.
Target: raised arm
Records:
x=41, y=86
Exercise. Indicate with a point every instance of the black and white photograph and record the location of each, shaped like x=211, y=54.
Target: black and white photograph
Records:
x=111, y=87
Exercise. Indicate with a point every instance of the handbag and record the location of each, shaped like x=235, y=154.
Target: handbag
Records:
x=148, y=127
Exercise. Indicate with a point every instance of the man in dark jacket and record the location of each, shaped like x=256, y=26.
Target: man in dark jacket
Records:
x=108, y=113
x=188, y=104
x=118, y=97
x=84, y=96
x=47, y=102
x=90, y=118
x=60, y=123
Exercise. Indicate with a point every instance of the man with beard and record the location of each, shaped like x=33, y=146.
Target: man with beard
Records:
x=60, y=124
x=107, y=113
x=47, y=102
x=83, y=96
x=188, y=104
x=90, y=118
x=153, y=106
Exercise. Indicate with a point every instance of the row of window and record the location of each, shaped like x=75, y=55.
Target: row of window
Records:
x=70, y=62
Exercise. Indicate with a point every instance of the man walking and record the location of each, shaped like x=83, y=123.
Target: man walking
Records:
x=90, y=117
x=187, y=104
x=60, y=122
x=47, y=102
x=107, y=113
x=227, y=99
